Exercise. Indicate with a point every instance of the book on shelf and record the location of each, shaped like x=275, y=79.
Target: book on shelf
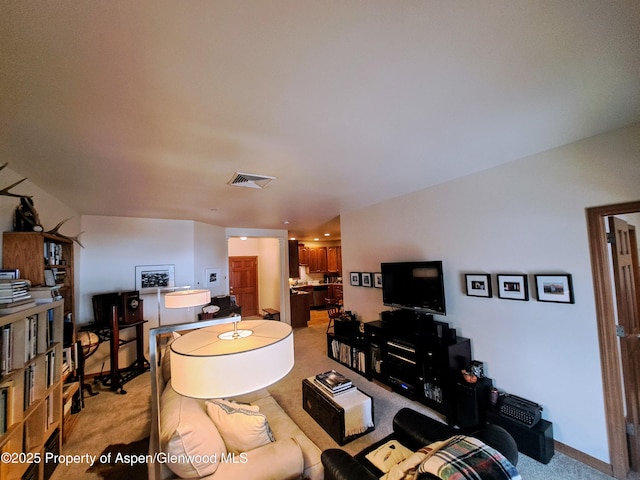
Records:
x=29, y=385
x=30, y=337
x=333, y=380
x=6, y=361
x=7, y=308
x=4, y=408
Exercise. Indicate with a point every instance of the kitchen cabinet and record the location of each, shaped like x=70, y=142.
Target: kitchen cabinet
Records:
x=334, y=259
x=318, y=260
x=303, y=255
x=294, y=269
x=300, y=309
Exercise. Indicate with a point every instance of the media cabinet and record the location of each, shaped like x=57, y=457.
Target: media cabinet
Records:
x=414, y=355
x=422, y=359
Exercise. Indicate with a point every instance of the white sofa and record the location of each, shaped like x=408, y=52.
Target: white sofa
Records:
x=244, y=443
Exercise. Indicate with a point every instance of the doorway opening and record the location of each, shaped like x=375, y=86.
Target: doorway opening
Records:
x=610, y=357
x=257, y=274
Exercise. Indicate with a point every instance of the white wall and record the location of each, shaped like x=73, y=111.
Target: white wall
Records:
x=269, y=274
x=527, y=217
x=115, y=245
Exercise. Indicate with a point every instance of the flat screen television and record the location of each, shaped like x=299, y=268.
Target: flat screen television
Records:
x=417, y=286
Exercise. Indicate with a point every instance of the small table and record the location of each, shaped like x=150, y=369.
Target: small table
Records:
x=329, y=412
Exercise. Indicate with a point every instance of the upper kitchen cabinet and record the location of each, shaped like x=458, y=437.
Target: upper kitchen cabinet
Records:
x=334, y=259
x=303, y=255
x=318, y=260
x=294, y=270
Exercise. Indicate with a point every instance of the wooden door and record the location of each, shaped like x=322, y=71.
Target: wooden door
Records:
x=243, y=283
x=624, y=251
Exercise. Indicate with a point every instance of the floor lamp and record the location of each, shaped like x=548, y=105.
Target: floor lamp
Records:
x=183, y=297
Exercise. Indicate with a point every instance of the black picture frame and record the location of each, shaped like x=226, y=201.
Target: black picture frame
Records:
x=354, y=279
x=554, y=288
x=366, y=279
x=478, y=285
x=377, y=280
x=513, y=287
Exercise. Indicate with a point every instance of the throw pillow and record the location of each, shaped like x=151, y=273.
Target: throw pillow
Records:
x=241, y=429
x=166, y=358
x=388, y=455
x=187, y=434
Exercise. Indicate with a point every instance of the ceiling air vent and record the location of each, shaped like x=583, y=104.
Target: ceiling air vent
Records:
x=250, y=180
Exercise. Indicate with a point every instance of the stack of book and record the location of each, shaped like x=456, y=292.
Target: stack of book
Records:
x=14, y=295
x=45, y=294
x=334, y=383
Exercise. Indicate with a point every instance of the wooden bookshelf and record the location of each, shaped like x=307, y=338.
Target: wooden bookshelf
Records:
x=34, y=253
x=31, y=411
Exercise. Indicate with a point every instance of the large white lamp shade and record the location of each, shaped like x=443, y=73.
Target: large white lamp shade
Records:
x=187, y=298
x=206, y=363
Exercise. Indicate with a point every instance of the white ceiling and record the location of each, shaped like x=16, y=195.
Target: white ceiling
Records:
x=146, y=108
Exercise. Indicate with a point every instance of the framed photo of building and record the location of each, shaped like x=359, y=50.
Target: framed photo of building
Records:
x=367, y=280
x=513, y=287
x=377, y=280
x=554, y=288
x=354, y=279
x=478, y=285
x=151, y=277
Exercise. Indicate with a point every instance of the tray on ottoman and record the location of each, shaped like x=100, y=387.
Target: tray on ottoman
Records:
x=330, y=415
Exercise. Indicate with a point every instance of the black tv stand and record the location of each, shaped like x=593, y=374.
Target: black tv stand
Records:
x=415, y=355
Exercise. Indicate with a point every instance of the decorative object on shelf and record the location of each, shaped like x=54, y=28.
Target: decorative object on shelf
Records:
x=54, y=231
x=377, y=280
x=25, y=217
x=513, y=287
x=477, y=368
x=367, y=281
x=151, y=277
x=354, y=279
x=214, y=362
x=478, y=285
x=469, y=377
x=554, y=288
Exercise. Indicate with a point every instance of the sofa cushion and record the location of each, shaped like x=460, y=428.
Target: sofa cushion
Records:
x=187, y=433
x=241, y=429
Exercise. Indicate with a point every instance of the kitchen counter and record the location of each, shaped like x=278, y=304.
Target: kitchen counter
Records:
x=300, y=308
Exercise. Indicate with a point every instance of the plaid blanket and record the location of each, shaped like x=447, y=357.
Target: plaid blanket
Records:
x=466, y=458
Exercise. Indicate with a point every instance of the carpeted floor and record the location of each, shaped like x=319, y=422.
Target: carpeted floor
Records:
x=120, y=423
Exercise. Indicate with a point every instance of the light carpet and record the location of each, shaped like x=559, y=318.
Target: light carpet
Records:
x=110, y=418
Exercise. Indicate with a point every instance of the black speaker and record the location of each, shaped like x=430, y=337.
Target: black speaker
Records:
x=131, y=307
x=102, y=308
x=472, y=400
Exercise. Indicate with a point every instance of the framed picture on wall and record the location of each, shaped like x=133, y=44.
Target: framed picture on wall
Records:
x=354, y=279
x=513, y=287
x=377, y=280
x=151, y=277
x=367, y=279
x=212, y=277
x=478, y=285
x=554, y=288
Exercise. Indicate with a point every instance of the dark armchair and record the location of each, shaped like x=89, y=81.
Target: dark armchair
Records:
x=227, y=305
x=413, y=430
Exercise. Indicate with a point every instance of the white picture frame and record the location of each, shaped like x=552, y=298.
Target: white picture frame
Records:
x=212, y=277
x=149, y=278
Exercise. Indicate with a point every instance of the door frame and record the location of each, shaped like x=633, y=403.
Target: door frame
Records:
x=606, y=320
x=283, y=242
